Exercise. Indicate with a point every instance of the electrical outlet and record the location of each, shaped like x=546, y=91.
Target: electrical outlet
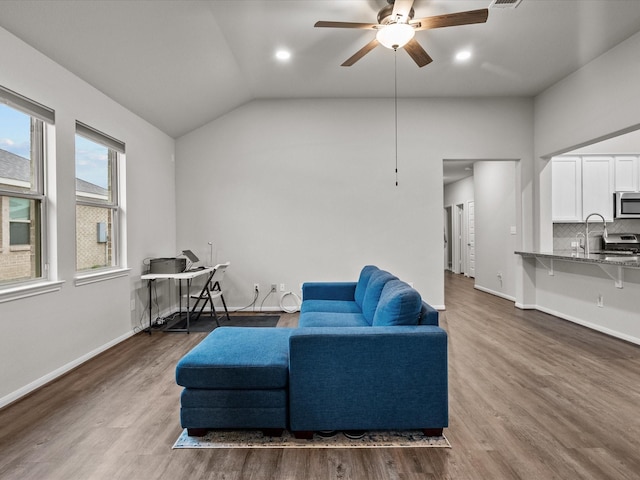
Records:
x=256, y=287
x=282, y=287
x=274, y=287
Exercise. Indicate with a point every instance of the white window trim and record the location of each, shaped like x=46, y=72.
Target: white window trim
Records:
x=20, y=288
x=19, y=292
x=101, y=276
x=115, y=205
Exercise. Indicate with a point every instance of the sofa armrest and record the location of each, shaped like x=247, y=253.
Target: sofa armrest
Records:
x=428, y=315
x=328, y=291
x=366, y=378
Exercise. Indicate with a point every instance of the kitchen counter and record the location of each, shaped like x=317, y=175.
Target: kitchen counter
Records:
x=612, y=264
x=620, y=260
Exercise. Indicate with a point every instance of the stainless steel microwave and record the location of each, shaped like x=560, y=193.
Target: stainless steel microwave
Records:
x=627, y=204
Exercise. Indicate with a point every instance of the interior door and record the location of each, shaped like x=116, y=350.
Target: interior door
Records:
x=471, y=240
x=457, y=239
x=448, y=256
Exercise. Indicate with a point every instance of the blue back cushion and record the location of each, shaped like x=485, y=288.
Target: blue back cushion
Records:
x=363, y=281
x=376, y=283
x=399, y=304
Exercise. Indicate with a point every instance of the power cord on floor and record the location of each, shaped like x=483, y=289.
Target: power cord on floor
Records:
x=265, y=298
x=256, y=294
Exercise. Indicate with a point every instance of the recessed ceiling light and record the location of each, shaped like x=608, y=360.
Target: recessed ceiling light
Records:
x=463, y=55
x=283, y=55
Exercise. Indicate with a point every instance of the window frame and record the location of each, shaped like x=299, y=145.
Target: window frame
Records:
x=115, y=150
x=40, y=118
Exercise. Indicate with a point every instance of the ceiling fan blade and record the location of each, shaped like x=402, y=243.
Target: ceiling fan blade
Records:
x=360, y=53
x=419, y=55
x=451, y=19
x=402, y=8
x=347, y=25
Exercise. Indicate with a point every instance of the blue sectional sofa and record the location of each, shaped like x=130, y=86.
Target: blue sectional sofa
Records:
x=367, y=355
x=377, y=299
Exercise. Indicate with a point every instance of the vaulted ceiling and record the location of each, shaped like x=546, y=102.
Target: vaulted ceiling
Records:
x=182, y=63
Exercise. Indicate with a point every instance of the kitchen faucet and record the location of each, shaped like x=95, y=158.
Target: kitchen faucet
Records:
x=586, y=235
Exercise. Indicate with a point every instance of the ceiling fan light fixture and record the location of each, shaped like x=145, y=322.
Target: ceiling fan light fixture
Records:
x=395, y=35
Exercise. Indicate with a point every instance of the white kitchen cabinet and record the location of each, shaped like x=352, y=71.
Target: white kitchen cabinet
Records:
x=566, y=191
x=581, y=185
x=598, y=185
x=627, y=173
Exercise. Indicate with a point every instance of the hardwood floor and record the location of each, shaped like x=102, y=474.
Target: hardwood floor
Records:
x=531, y=397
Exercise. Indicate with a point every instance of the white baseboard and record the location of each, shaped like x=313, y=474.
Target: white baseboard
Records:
x=592, y=326
x=21, y=392
x=493, y=292
x=525, y=306
x=220, y=311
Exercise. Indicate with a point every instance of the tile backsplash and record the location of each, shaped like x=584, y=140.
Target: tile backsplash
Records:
x=565, y=233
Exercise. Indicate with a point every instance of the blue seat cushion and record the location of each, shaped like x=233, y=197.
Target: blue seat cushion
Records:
x=399, y=304
x=237, y=358
x=331, y=319
x=376, y=283
x=339, y=306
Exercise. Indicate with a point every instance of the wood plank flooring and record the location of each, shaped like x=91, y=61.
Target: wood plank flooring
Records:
x=531, y=397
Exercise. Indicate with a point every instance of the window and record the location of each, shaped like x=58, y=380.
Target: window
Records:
x=22, y=187
x=97, y=204
x=19, y=221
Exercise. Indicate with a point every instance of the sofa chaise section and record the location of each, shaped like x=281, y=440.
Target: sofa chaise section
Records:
x=236, y=378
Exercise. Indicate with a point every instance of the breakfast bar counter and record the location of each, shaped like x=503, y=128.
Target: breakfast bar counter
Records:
x=600, y=258
x=613, y=264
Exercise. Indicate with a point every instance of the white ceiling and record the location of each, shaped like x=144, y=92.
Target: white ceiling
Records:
x=181, y=63
x=455, y=170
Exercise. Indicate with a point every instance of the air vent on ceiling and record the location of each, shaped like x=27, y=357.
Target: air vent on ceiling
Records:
x=505, y=3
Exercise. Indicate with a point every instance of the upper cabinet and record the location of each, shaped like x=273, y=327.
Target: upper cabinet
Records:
x=598, y=186
x=627, y=173
x=566, y=204
x=581, y=185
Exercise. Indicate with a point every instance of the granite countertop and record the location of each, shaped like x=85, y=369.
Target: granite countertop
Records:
x=622, y=260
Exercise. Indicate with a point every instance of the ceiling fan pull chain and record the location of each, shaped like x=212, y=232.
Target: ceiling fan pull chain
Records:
x=395, y=104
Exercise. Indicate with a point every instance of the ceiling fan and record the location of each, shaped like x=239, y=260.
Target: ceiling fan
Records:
x=396, y=28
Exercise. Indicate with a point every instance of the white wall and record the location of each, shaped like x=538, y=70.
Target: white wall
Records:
x=596, y=102
x=459, y=192
x=495, y=216
x=45, y=335
x=297, y=190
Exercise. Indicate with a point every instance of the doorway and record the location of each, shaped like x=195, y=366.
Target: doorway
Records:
x=454, y=238
x=448, y=250
x=457, y=239
x=471, y=239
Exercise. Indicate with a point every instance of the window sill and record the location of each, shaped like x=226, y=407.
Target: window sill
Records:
x=30, y=290
x=88, y=278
